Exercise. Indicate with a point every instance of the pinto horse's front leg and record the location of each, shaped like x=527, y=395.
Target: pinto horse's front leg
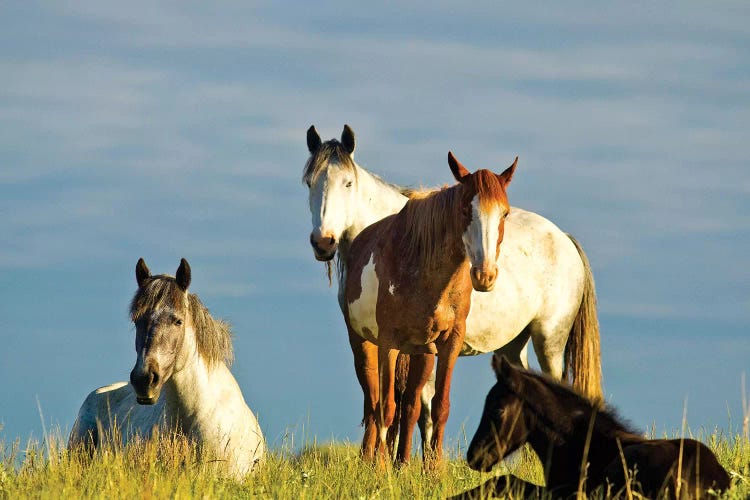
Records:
x=387, y=356
x=366, y=367
x=447, y=355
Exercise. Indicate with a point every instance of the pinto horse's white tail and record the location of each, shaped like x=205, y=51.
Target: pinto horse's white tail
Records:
x=583, y=361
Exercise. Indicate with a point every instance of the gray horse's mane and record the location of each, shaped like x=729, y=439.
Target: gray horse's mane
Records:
x=213, y=336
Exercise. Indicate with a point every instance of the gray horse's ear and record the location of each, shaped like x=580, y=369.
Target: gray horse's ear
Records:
x=183, y=275
x=313, y=139
x=507, y=174
x=141, y=272
x=459, y=171
x=347, y=139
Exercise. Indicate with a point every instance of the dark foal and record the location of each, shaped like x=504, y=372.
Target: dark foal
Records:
x=567, y=430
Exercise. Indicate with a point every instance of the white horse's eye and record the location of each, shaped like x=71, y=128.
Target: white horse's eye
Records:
x=349, y=184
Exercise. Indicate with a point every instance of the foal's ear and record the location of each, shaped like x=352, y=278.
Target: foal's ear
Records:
x=347, y=139
x=459, y=171
x=504, y=369
x=507, y=175
x=183, y=275
x=141, y=272
x=313, y=139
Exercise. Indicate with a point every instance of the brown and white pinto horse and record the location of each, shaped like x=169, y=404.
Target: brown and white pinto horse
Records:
x=408, y=289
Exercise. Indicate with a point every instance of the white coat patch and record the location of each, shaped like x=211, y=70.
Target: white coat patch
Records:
x=362, y=311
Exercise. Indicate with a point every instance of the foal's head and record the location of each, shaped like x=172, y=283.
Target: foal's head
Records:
x=485, y=204
x=502, y=428
x=331, y=177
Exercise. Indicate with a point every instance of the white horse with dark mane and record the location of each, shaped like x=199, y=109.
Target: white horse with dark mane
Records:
x=544, y=286
x=181, y=381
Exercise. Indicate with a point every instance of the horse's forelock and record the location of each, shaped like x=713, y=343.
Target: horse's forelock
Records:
x=328, y=153
x=489, y=188
x=158, y=292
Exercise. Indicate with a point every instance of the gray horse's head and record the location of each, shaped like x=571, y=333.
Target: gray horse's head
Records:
x=160, y=312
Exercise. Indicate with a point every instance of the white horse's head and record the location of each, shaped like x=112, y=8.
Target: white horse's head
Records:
x=331, y=177
x=485, y=205
x=160, y=313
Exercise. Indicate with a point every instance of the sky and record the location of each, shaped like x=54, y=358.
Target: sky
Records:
x=177, y=129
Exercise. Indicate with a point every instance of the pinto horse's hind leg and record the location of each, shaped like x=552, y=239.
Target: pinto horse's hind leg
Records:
x=420, y=370
x=425, y=414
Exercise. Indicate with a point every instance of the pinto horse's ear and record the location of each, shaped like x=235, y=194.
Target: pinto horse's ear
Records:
x=313, y=139
x=507, y=175
x=459, y=171
x=347, y=139
x=141, y=272
x=183, y=275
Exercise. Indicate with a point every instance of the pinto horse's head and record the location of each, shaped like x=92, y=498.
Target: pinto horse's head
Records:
x=331, y=177
x=485, y=205
x=160, y=312
x=502, y=428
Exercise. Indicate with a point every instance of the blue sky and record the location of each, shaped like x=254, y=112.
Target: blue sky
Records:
x=177, y=129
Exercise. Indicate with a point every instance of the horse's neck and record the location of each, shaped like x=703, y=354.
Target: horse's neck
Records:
x=198, y=390
x=378, y=199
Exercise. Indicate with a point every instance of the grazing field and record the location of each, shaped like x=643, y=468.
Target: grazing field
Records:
x=169, y=468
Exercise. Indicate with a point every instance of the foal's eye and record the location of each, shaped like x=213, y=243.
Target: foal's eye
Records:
x=178, y=322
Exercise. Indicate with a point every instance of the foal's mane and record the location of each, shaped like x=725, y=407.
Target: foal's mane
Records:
x=558, y=420
x=432, y=215
x=213, y=336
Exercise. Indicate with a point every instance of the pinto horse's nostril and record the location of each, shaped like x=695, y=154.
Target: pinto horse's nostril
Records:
x=332, y=241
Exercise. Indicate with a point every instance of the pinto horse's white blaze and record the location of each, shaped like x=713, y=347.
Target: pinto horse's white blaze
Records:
x=481, y=239
x=362, y=310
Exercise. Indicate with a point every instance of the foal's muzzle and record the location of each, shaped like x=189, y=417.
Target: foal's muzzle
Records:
x=324, y=245
x=483, y=280
x=480, y=458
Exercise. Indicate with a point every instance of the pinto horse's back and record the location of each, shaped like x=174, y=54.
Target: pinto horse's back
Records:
x=660, y=462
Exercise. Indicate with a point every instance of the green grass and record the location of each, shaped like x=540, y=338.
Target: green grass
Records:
x=170, y=468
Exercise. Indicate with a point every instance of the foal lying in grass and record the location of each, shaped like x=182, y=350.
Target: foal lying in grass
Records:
x=581, y=445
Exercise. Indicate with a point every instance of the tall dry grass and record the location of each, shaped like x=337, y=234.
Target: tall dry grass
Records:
x=169, y=467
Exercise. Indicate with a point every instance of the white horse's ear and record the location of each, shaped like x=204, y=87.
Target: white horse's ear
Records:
x=313, y=139
x=142, y=272
x=507, y=174
x=183, y=275
x=347, y=139
x=459, y=171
